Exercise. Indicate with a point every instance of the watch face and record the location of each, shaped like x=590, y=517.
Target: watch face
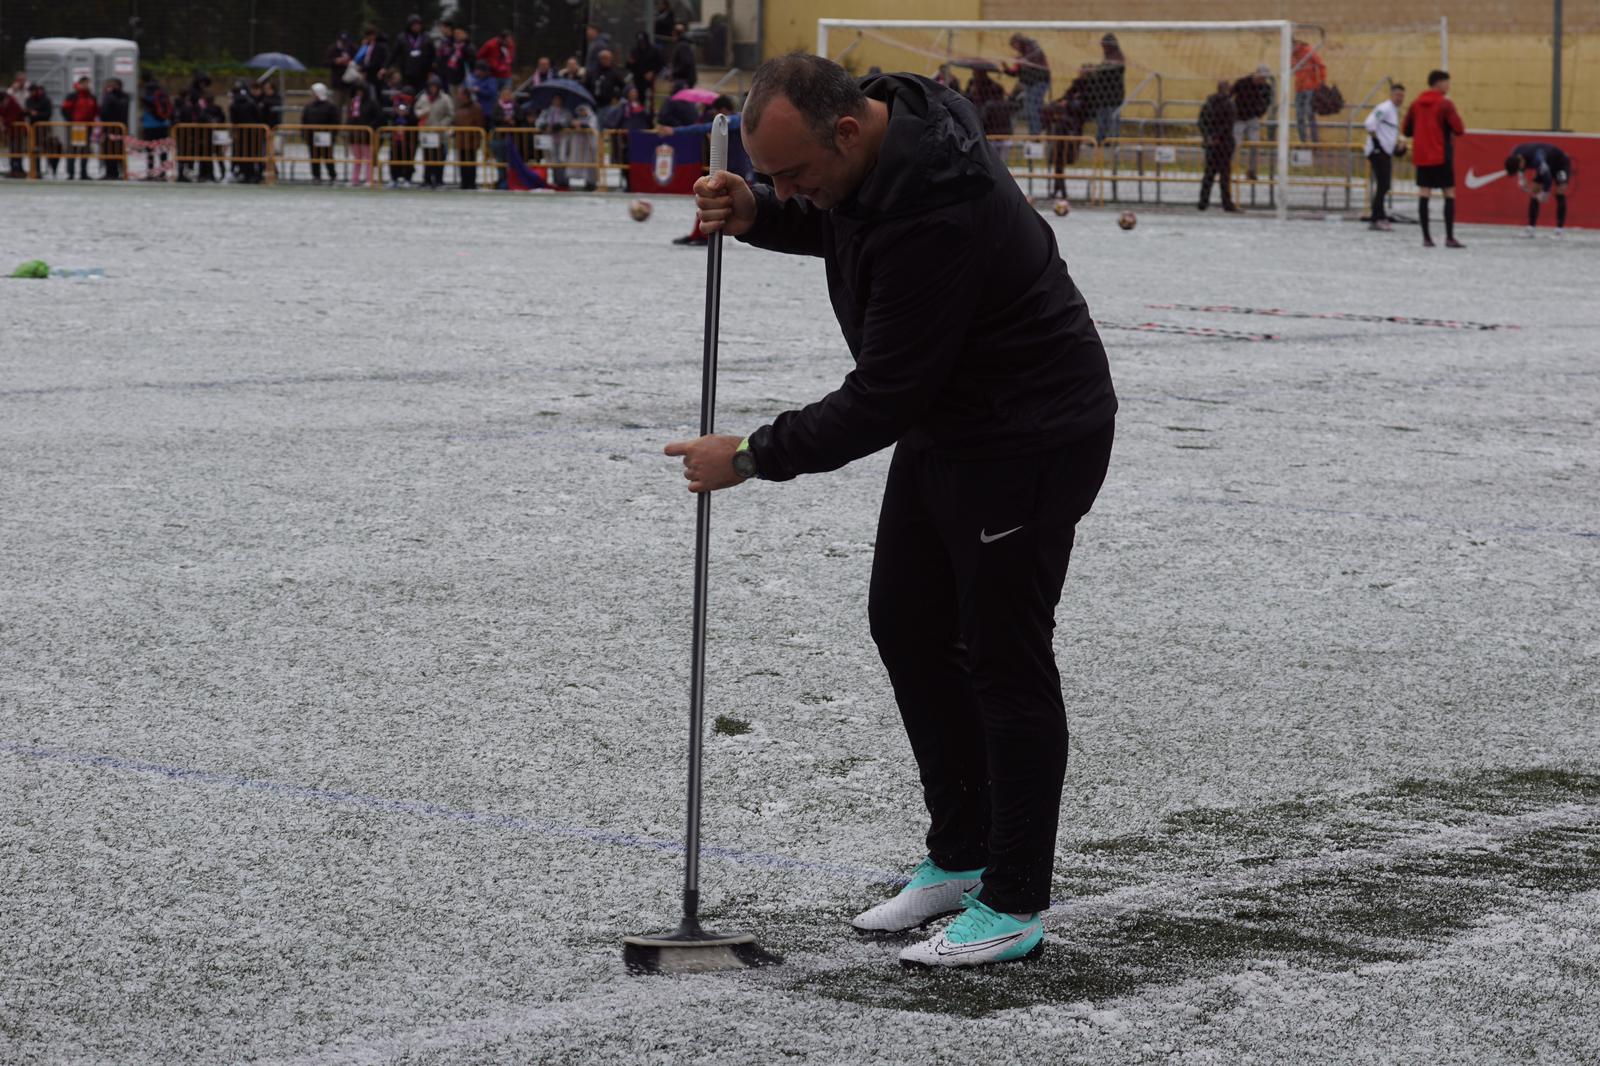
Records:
x=744, y=464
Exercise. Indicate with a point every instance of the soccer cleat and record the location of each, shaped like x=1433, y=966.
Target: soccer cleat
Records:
x=1556, y=235
x=931, y=893
x=1427, y=242
x=980, y=935
x=1529, y=231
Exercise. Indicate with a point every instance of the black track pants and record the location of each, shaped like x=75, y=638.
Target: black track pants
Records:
x=967, y=572
x=1382, y=170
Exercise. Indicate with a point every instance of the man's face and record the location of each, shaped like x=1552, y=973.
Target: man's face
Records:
x=784, y=147
x=1398, y=96
x=604, y=59
x=544, y=63
x=1443, y=87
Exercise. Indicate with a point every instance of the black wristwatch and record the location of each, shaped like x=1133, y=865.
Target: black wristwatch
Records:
x=744, y=460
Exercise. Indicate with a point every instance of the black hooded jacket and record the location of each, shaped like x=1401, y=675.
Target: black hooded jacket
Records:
x=968, y=334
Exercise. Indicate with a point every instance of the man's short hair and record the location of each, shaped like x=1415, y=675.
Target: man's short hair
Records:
x=1397, y=85
x=1514, y=163
x=820, y=89
x=1436, y=76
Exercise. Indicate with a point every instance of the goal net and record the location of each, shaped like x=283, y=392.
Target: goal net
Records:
x=1109, y=111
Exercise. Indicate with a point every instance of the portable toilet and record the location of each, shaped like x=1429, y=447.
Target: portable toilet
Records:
x=117, y=58
x=114, y=58
x=58, y=62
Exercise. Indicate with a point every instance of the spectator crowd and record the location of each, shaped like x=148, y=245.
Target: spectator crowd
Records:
x=409, y=85
x=430, y=89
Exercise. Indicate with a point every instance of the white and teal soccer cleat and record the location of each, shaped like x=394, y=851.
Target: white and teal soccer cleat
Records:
x=980, y=935
x=931, y=893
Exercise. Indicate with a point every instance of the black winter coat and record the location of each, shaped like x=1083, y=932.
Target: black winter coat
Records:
x=1251, y=100
x=414, y=57
x=38, y=108
x=319, y=113
x=1217, y=116
x=114, y=107
x=968, y=334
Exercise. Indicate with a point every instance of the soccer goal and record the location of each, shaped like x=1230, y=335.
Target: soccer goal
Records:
x=1139, y=86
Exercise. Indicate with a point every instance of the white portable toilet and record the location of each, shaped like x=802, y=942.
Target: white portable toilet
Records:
x=117, y=58
x=58, y=62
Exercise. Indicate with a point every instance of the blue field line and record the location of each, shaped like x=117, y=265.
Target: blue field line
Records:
x=485, y=819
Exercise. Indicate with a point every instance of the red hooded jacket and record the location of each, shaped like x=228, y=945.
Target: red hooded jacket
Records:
x=80, y=106
x=1429, y=122
x=500, y=55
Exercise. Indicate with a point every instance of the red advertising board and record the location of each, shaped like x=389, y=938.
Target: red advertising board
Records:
x=1486, y=193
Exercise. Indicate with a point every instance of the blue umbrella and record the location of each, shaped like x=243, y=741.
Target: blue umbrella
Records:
x=571, y=92
x=275, y=61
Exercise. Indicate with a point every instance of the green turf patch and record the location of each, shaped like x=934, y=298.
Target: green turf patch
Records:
x=1367, y=898
x=730, y=727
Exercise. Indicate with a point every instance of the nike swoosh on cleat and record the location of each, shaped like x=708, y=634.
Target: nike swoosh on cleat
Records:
x=1478, y=181
x=985, y=538
x=980, y=945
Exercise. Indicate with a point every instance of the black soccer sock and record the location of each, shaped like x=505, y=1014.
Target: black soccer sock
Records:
x=1450, y=218
x=1422, y=212
x=1561, y=211
x=1533, y=211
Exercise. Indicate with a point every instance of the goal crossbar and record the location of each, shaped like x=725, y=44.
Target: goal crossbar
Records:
x=1283, y=28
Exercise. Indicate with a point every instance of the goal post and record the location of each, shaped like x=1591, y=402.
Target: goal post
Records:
x=924, y=45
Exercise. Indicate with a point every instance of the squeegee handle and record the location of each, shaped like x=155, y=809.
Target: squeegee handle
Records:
x=719, y=143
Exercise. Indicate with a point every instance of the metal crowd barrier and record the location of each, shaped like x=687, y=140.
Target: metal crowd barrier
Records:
x=1065, y=166
x=337, y=150
x=1329, y=176
x=16, y=150
x=561, y=154
x=47, y=144
x=206, y=151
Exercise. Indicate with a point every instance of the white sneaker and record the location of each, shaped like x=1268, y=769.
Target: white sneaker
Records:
x=931, y=893
x=980, y=935
x=1556, y=235
x=1528, y=231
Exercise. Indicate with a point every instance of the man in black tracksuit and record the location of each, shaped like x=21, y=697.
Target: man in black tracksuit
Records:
x=976, y=356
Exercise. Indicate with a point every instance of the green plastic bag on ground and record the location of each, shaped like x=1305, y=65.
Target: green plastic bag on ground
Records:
x=33, y=268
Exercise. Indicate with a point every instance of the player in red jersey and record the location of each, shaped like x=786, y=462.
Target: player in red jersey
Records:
x=1431, y=123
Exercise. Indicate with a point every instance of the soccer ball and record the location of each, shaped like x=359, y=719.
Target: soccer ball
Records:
x=1061, y=208
x=639, y=210
x=1127, y=220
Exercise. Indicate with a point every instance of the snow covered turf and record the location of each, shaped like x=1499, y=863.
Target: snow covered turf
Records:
x=344, y=599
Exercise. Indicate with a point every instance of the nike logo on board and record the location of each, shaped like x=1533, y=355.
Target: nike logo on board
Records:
x=1478, y=181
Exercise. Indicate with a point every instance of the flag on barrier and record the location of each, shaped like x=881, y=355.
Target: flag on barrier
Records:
x=520, y=177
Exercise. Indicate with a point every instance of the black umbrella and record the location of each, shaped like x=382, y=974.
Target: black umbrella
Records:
x=569, y=90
